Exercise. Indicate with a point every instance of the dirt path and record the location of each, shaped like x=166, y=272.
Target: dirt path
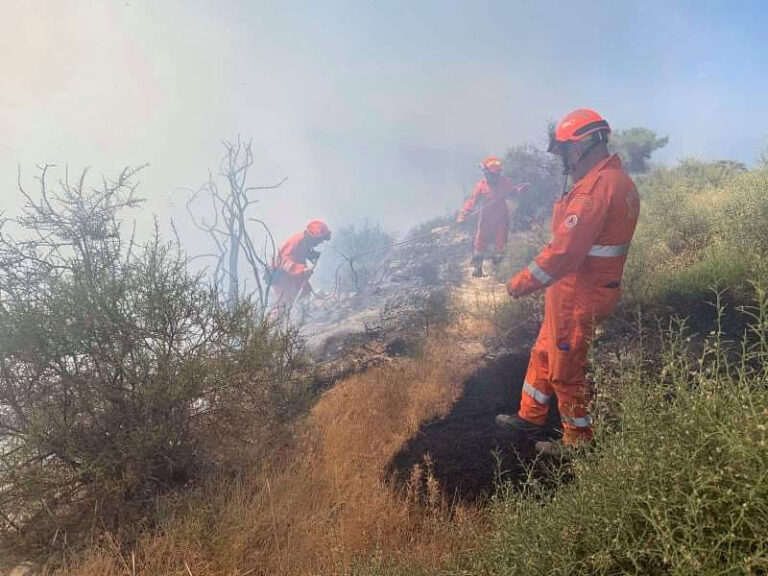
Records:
x=466, y=448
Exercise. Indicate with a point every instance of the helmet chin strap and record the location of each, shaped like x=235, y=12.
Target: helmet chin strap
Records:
x=567, y=168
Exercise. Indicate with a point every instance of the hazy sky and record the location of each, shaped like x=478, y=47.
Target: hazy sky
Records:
x=373, y=109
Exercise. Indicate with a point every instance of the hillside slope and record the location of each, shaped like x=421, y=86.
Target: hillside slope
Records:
x=396, y=468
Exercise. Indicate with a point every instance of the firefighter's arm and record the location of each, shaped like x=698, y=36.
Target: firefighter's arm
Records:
x=296, y=268
x=469, y=205
x=290, y=262
x=581, y=225
x=518, y=189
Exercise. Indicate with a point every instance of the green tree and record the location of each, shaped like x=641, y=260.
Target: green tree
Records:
x=635, y=147
x=527, y=163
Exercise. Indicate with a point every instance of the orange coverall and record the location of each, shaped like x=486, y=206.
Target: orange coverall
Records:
x=493, y=224
x=291, y=274
x=581, y=268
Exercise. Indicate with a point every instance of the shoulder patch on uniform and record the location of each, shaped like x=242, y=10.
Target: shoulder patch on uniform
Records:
x=571, y=221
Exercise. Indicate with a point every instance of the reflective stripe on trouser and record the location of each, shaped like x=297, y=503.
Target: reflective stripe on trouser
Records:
x=583, y=422
x=537, y=389
x=537, y=395
x=558, y=361
x=572, y=393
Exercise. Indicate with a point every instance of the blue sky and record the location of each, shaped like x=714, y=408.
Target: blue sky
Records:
x=373, y=109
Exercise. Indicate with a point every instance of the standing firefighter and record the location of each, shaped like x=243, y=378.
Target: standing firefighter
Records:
x=290, y=275
x=581, y=269
x=491, y=194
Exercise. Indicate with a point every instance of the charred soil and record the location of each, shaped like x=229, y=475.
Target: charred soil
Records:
x=466, y=452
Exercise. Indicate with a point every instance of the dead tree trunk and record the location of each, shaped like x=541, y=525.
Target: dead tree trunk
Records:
x=228, y=222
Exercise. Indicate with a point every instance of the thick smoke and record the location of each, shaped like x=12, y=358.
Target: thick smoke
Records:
x=374, y=111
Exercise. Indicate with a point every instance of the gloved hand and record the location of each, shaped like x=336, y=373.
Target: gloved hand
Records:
x=314, y=256
x=512, y=289
x=522, y=186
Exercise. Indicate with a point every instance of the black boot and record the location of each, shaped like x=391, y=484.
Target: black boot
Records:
x=477, y=262
x=496, y=259
x=514, y=423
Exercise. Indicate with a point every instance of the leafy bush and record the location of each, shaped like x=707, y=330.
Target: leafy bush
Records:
x=740, y=224
x=122, y=376
x=701, y=226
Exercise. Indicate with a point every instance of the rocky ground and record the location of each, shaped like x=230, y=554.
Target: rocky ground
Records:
x=351, y=330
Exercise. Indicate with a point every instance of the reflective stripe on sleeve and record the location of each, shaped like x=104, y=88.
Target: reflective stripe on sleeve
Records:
x=584, y=422
x=540, y=274
x=540, y=397
x=608, y=251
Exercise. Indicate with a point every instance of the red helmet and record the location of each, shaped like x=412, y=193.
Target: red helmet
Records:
x=318, y=229
x=492, y=164
x=577, y=126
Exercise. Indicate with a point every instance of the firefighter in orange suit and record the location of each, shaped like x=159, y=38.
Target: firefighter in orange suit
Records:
x=290, y=273
x=490, y=196
x=580, y=269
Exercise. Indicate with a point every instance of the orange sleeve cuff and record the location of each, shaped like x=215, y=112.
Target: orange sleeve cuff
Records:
x=294, y=268
x=523, y=283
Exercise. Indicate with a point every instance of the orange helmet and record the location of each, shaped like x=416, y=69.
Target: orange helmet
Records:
x=577, y=126
x=492, y=164
x=318, y=229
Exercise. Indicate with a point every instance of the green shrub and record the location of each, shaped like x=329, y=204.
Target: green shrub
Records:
x=718, y=269
x=701, y=226
x=740, y=224
x=122, y=376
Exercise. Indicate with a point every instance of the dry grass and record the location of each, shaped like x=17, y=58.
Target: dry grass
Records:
x=488, y=311
x=329, y=504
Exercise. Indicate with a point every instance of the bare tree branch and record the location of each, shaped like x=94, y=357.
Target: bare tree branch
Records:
x=230, y=226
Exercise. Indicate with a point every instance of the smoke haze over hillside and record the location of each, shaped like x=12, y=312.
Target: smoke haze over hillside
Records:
x=375, y=110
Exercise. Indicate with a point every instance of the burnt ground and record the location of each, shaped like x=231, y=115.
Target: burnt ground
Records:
x=466, y=448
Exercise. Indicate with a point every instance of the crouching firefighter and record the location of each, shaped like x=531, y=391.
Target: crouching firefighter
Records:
x=581, y=269
x=490, y=194
x=290, y=272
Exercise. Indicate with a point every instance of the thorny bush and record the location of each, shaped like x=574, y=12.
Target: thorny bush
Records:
x=122, y=375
